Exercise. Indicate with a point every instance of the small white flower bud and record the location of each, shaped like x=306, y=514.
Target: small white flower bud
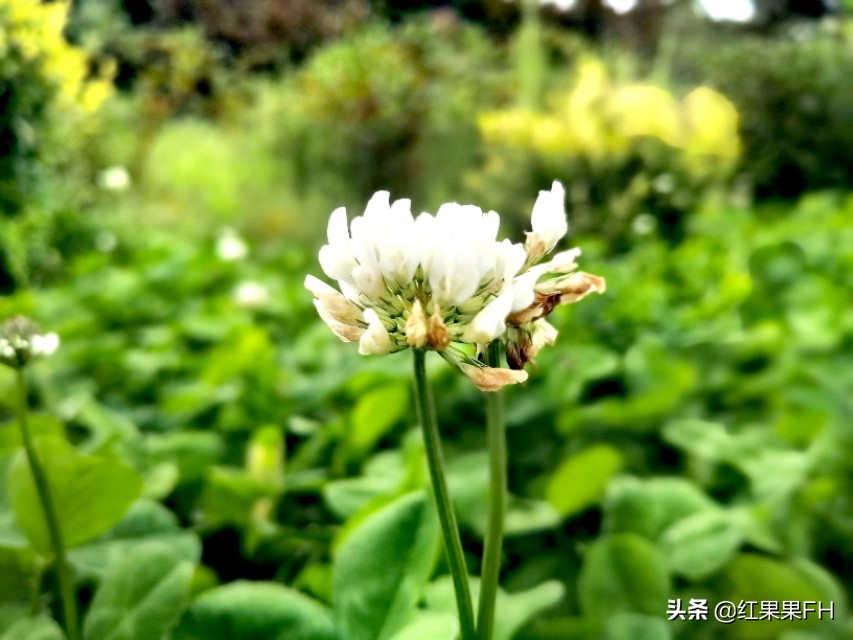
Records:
x=548, y=222
x=44, y=345
x=20, y=342
x=230, y=247
x=251, y=295
x=416, y=326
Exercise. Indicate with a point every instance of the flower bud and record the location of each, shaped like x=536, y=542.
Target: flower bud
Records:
x=416, y=326
x=438, y=336
x=548, y=221
x=20, y=342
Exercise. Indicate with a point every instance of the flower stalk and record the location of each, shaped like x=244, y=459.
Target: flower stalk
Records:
x=496, y=437
x=446, y=516
x=63, y=570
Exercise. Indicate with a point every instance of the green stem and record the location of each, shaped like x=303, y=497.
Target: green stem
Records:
x=496, y=437
x=449, y=528
x=63, y=571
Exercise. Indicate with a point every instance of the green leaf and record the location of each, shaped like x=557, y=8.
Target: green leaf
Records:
x=17, y=573
x=525, y=516
x=428, y=625
x=382, y=567
x=347, y=497
x=193, y=452
x=623, y=572
x=698, y=545
x=636, y=626
x=141, y=597
x=705, y=440
x=581, y=480
x=648, y=506
x=754, y=577
x=512, y=610
x=40, y=425
x=145, y=522
x=90, y=494
x=11, y=613
x=229, y=496
x=255, y=611
x=376, y=412
x=38, y=628
x=105, y=425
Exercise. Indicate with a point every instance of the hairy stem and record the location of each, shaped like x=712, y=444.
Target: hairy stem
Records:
x=449, y=528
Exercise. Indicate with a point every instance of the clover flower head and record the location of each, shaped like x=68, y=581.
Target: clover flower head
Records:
x=21, y=341
x=251, y=295
x=114, y=178
x=442, y=281
x=230, y=247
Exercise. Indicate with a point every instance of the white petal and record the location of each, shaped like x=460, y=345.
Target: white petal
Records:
x=565, y=261
x=376, y=339
x=543, y=334
x=523, y=290
x=317, y=287
x=346, y=332
x=490, y=322
x=336, y=262
x=548, y=219
x=334, y=304
x=492, y=378
x=337, y=231
x=368, y=279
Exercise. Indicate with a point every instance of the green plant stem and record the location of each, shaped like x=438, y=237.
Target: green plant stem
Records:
x=496, y=436
x=449, y=528
x=63, y=571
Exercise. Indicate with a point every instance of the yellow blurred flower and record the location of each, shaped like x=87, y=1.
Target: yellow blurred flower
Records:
x=712, y=124
x=601, y=117
x=35, y=30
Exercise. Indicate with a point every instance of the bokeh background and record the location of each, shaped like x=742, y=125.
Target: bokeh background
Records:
x=167, y=171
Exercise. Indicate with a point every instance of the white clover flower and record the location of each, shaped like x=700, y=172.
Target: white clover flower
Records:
x=430, y=281
x=230, y=247
x=21, y=342
x=114, y=178
x=420, y=282
x=251, y=295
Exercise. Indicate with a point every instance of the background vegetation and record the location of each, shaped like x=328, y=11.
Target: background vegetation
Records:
x=228, y=469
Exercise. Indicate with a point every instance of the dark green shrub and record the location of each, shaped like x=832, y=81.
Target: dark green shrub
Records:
x=389, y=108
x=796, y=104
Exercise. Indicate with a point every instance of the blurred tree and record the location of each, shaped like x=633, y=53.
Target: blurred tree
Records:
x=266, y=32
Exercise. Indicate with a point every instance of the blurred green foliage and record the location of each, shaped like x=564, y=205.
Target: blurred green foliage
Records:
x=793, y=97
x=382, y=108
x=687, y=438
x=227, y=469
x=50, y=95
